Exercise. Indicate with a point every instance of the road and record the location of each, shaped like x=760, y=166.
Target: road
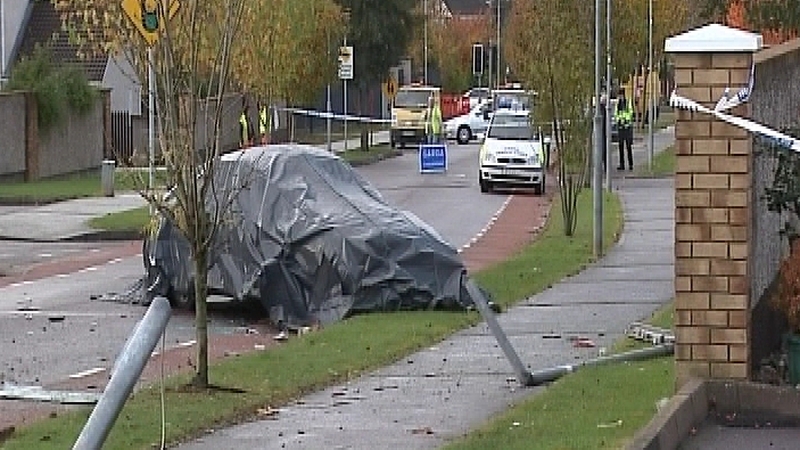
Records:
x=58, y=328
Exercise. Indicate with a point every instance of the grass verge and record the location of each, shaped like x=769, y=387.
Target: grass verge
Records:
x=594, y=408
x=663, y=165
x=357, y=157
x=130, y=221
x=67, y=187
x=339, y=352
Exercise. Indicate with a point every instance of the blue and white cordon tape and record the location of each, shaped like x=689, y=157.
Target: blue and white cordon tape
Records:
x=727, y=102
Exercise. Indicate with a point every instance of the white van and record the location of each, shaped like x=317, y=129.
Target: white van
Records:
x=512, y=154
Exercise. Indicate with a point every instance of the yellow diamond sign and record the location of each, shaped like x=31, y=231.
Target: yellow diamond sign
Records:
x=136, y=11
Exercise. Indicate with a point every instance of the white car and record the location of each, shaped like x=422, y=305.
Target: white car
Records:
x=469, y=126
x=512, y=154
x=476, y=95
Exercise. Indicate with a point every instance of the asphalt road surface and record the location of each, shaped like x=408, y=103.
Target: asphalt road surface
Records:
x=58, y=327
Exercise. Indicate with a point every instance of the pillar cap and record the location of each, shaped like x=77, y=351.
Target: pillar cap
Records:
x=714, y=38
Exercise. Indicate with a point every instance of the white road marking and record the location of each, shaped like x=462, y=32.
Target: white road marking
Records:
x=488, y=226
x=88, y=372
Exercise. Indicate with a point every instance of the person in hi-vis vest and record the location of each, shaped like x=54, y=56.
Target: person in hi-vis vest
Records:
x=245, y=128
x=433, y=121
x=263, y=123
x=624, y=118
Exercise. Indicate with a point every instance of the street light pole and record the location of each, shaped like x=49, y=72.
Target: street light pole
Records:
x=597, y=188
x=498, y=46
x=328, y=102
x=609, y=86
x=425, y=49
x=650, y=112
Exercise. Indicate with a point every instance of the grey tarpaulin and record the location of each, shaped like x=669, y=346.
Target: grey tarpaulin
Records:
x=310, y=238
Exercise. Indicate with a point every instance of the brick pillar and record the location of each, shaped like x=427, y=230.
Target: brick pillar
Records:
x=712, y=221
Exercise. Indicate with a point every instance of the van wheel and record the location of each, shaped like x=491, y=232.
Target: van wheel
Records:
x=485, y=185
x=538, y=189
x=464, y=134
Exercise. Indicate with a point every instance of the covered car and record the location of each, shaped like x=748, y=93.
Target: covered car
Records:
x=312, y=241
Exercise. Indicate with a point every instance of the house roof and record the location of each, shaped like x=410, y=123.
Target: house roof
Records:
x=44, y=29
x=466, y=7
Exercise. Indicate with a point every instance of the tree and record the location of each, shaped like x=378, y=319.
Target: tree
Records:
x=192, y=58
x=452, y=49
x=293, y=57
x=550, y=43
x=379, y=33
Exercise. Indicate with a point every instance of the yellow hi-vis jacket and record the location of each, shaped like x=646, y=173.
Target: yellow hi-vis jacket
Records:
x=624, y=114
x=244, y=138
x=263, y=121
x=433, y=122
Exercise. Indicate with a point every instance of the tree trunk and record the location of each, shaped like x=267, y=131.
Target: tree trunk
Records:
x=201, y=318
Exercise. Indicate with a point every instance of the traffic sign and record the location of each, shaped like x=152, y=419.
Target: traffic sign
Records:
x=390, y=88
x=432, y=158
x=145, y=16
x=346, y=63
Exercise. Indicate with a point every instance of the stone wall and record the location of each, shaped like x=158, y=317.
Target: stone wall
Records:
x=75, y=144
x=775, y=102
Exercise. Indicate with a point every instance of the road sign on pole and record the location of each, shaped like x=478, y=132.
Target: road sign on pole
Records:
x=477, y=59
x=390, y=88
x=146, y=16
x=345, y=62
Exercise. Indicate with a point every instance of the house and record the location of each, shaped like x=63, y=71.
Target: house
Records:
x=26, y=24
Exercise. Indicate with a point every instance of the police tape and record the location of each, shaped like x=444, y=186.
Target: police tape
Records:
x=326, y=115
x=764, y=132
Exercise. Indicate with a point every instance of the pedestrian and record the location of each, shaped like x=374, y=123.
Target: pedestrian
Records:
x=624, y=117
x=436, y=121
x=263, y=123
x=245, y=129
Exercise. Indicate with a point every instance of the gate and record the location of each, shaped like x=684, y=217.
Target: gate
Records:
x=122, y=136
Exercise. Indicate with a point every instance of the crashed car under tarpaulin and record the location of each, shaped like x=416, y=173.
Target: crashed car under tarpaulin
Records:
x=312, y=241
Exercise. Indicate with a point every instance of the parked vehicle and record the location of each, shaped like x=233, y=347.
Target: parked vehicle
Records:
x=408, y=113
x=476, y=96
x=512, y=154
x=469, y=126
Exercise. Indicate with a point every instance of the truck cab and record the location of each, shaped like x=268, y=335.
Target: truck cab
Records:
x=409, y=112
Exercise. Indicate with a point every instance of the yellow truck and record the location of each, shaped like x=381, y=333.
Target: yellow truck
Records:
x=409, y=113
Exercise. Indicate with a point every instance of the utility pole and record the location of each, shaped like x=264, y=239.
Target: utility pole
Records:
x=328, y=102
x=597, y=188
x=425, y=49
x=609, y=86
x=151, y=120
x=499, y=68
x=345, y=102
x=651, y=97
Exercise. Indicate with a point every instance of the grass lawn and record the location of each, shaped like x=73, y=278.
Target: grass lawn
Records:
x=132, y=220
x=593, y=408
x=338, y=352
x=663, y=165
x=76, y=186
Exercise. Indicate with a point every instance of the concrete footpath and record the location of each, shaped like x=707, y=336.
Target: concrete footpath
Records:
x=437, y=394
x=68, y=220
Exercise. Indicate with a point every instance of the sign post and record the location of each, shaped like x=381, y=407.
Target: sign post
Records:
x=146, y=18
x=345, y=73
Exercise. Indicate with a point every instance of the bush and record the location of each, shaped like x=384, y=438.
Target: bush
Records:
x=57, y=89
x=788, y=298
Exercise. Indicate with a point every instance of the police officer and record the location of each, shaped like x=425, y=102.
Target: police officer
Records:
x=245, y=129
x=433, y=124
x=624, y=118
x=263, y=123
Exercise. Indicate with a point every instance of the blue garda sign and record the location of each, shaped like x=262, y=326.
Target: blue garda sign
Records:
x=432, y=158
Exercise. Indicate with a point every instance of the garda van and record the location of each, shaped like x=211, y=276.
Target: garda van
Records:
x=409, y=113
x=512, y=154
